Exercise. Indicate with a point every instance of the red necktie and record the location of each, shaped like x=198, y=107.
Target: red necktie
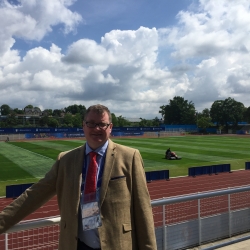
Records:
x=90, y=183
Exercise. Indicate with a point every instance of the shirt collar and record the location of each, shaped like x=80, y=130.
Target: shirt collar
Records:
x=100, y=151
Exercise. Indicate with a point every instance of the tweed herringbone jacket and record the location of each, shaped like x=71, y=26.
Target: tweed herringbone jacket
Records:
x=127, y=221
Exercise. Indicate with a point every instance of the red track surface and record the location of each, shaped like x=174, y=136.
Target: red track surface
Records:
x=172, y=187
x=187, y=185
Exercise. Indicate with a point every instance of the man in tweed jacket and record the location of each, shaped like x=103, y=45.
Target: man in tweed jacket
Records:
x=125, y=209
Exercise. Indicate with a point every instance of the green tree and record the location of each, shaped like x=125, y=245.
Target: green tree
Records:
x=5, y=109
x=48, y=112
x=27, y=123
x=29, y=106
x=156, y=122
x=178, y=111
x=162, y=111
x=246, y=115
x=18, y=111
x=145, y=123
x=216, y=112
x=122, y=122
x=3, y=124
x=77, y=120
x=114, y=120
x=82, y=110
x=226, y=112
x=52, y=122
x=68, y=120
x=205, y=113
x=57, y=112
x=204, y=122
x=74, y=109
x=11, y=120
x=43, y=122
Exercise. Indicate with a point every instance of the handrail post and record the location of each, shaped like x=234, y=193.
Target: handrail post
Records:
x=199, y=220
x=229, y=216
x=164, y=228
x=6, y=241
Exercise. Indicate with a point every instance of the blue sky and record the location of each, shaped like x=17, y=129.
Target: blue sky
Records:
x=133, y=56
x=100, y=17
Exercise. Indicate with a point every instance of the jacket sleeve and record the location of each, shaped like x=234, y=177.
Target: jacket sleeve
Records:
x=143, y=217
x=30, y=200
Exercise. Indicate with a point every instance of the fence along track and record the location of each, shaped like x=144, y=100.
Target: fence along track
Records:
x=196, y=230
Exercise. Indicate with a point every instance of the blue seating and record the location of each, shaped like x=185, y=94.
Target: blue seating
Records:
x=157, y=175
x=247, y=165
x=13, y=191
x=214, y=169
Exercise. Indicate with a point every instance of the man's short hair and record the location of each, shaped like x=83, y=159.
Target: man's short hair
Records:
x=99, y=109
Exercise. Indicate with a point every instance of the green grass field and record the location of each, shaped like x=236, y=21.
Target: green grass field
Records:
x=27, y=162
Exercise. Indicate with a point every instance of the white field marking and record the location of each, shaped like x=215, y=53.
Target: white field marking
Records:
x=201, y=157
x=35, y=164
x=53, y=145
x=22, y=179
x=31, y=152
x=207, y=146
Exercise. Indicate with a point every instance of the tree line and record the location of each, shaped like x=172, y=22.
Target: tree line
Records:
x=70, y=116
x=223, y=113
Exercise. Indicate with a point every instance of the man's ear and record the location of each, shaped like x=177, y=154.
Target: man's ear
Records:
x=110, y=127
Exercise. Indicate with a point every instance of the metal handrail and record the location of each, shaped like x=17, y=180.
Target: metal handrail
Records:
x=197, y=196
x=26, y=225
x=171, y=200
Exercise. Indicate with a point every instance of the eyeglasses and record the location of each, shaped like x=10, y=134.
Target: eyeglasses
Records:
x=102, y=126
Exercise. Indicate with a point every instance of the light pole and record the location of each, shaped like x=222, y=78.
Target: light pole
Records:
x=196, y=114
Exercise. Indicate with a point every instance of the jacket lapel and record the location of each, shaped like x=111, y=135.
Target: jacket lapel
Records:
x=78, y=163
x=108, y=166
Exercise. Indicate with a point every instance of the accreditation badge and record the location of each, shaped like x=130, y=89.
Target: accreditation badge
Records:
x=91, y=218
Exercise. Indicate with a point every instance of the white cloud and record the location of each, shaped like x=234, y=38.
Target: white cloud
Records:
x=204, y=58
x=33, y=19
x=215, y=39
x=86, y=52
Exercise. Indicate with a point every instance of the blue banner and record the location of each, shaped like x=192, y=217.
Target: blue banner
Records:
x=74, y=130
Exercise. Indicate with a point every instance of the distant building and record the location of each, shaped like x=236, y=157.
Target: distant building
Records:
x=32, y=112
x=133, y=120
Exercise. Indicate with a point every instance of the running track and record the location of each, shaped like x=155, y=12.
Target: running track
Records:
x=170, y=188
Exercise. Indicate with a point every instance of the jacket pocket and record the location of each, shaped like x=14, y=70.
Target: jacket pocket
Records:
x=117, y=177
x=126, y=241
x=127, y=227
x=118, y=198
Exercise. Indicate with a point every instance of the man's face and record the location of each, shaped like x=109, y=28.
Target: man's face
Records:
x=96, y=136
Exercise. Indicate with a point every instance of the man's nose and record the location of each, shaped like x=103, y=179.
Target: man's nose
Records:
x=97, y=127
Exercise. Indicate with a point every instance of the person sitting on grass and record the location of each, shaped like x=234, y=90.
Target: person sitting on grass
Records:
x=170, y=155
